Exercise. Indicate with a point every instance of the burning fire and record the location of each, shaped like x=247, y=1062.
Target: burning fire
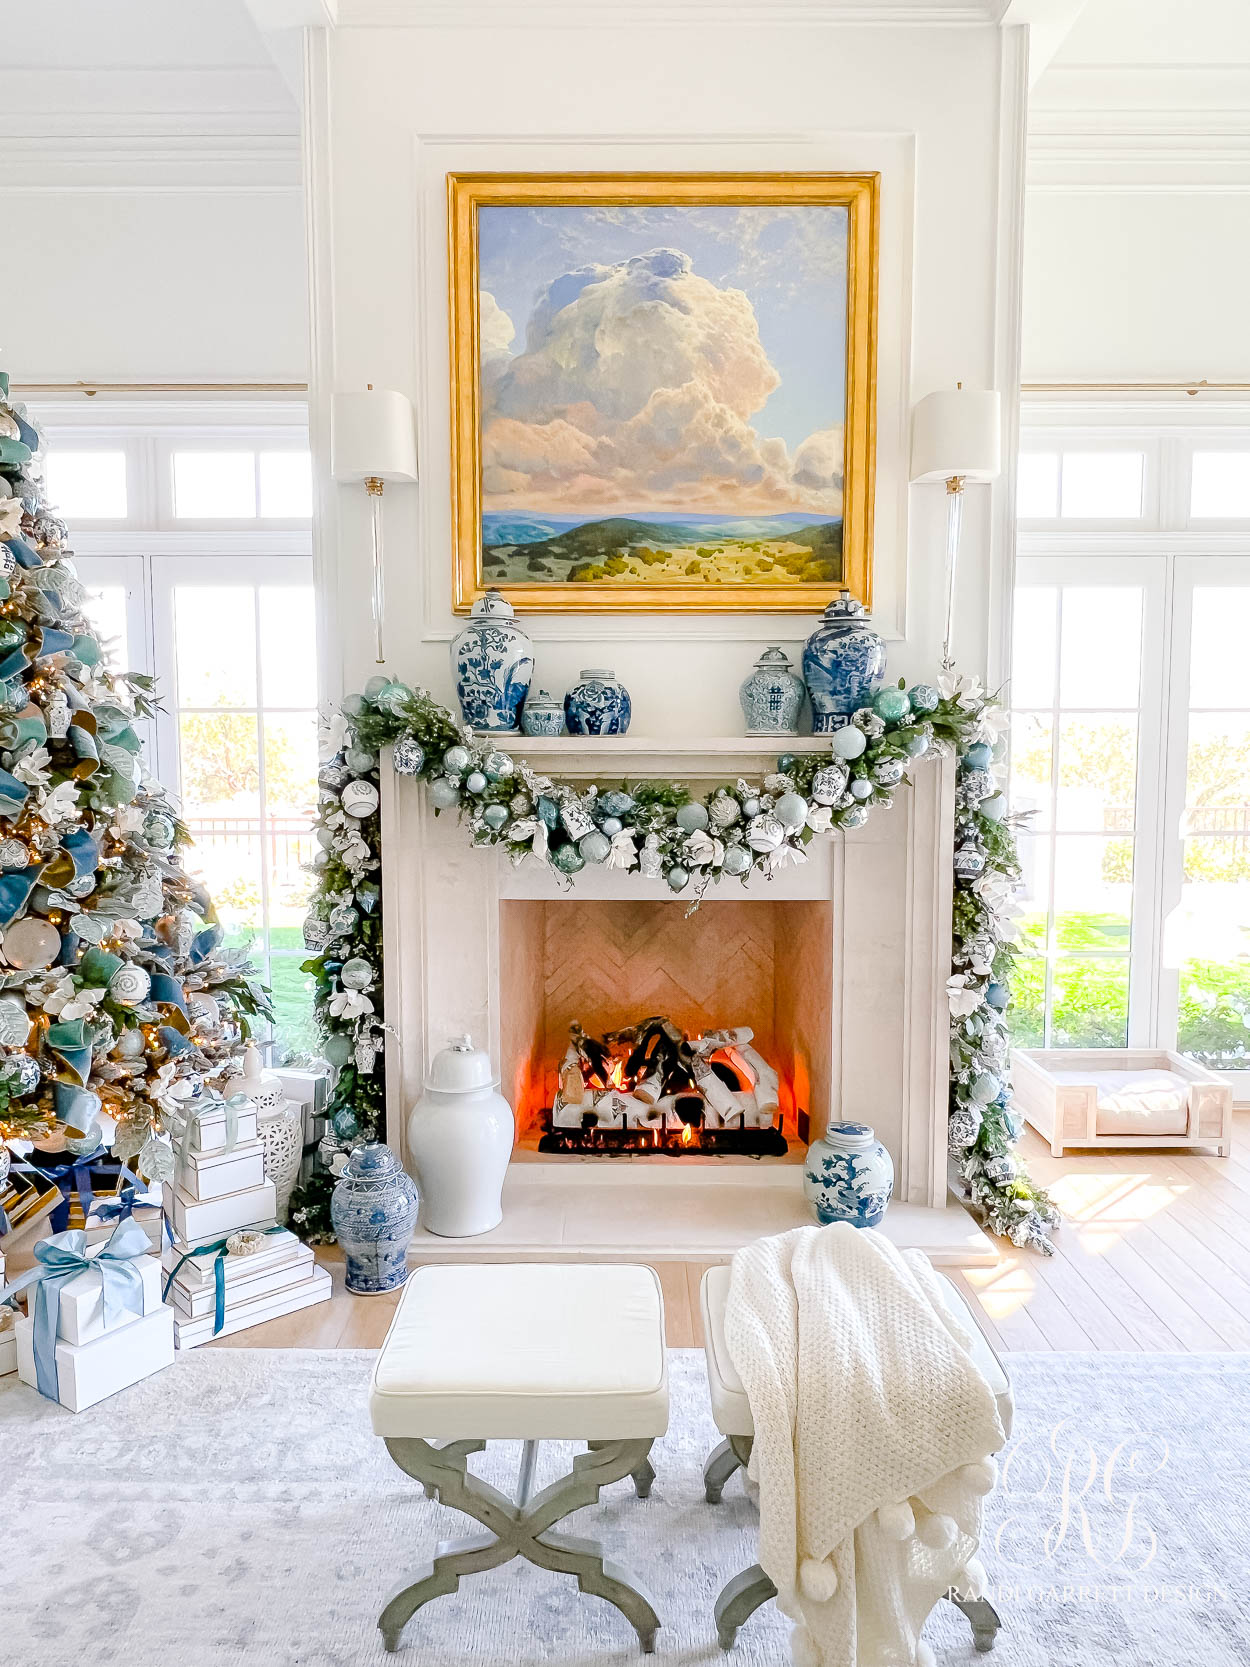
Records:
x=687, y=1134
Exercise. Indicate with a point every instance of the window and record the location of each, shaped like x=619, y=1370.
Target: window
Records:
x=88, y=485
x=1131, y=737
x=218, y=606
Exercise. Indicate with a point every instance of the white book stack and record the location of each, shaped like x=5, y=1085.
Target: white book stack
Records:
x=219, y=1191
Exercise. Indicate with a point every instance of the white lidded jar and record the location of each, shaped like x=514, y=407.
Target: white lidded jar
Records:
x=460, y=1137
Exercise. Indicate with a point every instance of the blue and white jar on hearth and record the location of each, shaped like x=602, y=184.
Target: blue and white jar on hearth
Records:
x=597, y=704
x=542, y=714
x=374, y=1212
x=843, y=664
x=848, y=1176
x=492, y=662
x=772, y=695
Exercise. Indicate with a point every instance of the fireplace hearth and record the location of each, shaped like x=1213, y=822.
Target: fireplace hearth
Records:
x=650, y=1087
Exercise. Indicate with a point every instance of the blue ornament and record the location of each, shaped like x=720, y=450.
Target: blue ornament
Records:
x=843, y=663
x=353, y=706
x=995, y=807
x=979, y=756
x=611, y=826
x=614, y=803
x=346, y=1124
x=915, y=743
x=849, y=743
x=457, y=760
x=407, y=756
x=374, y=687
x=892, y=705
x=924, y=699
x=549, y=813
x=750, y=807
x=597, y=704
x=360, y=760
x=986, y=1088
x=737, y=860
x=498, y=766
x=594, y=846
x=475, y=782
x=691, y=818
x=998, y=995
x=445, y=794
x=495, y=816
x=492, y=662
x=791, y=811
x=394, y=699
x=677, y=877
x=567, y=858
x=861, y=788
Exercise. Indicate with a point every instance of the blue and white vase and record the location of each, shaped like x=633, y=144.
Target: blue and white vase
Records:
x=843, y=664
x=492, y=662
x=848, y=1176
x=374, y=1211
x=597, y=704
x=772, y=695
x=542, y=714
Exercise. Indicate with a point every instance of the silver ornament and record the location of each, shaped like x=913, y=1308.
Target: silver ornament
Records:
x=22, y=1072
x=360, y=799
x=975, y=785
x=855, y=817
x=357, y=974
x=343, y=920
x=870, y=722
x=724, y=811
x=969, y=862
x=15, y=1022
x=14, y=853
x=765, y=833
x=129, y=985
x=737, y=860
x=366, y=1055
x=791, y=811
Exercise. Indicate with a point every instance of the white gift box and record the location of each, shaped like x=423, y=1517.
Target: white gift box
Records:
x=8, y=1353
x=201, y=1300
x=205, y=1175
x=273, y=1251
x=91, y=1372
x=318, y=1287
x=208, y=1127
x=80, y=1317
x=147, y=1216
x=192, y=1220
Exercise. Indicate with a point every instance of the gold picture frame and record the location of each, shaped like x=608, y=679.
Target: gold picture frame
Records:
x=784, y=577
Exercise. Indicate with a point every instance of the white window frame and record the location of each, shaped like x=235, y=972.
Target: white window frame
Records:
x=1168, y=551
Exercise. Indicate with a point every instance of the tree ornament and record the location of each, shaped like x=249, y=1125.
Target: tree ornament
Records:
x=360, y=760
x=871, y=723
x=343, y=920
x=677, y=877
x=985, y=1089
x=337, y=1049
x=916, y=743
x=975, y=785
x=891, y=704
x=475, y=782
x=407, y=756
x=334, y=776
x=158, y=831
x=829, y=784
x=444, y=794
x=595, y=846
x=394, y=699
x=924, y=698
x=611, y=826
x=791, y=811
x=316, y=934
x=765, y=833
x=15, y=1022
x=357, y=974
x=848, y=743
x=129, y=985
x=737, y=860
x=692, y=817
x=750, y=806
x=963, y=1128
x=31, y=944
x=998, y=995
x=887, y=772
x=495, y=817
x=360, y=799
x=568, y=859
x=995, y=807
x=724, y=810
x=969, y=862
x=346, y=1124
x=21, y=1071
x=614, y=803
x=14, y=853
x=498, y=766
x=979, y=756
x=853, y=817
x=456, y=760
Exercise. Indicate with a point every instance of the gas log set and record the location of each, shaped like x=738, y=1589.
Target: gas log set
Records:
x=652, y=1088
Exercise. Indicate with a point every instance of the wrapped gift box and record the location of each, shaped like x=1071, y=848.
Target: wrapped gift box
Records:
x=91, y=1372
x=208, y=1128
x=242, y=1288
x=8, y=1334
x=318, y=1287
x=80, y=1318
x=196, y=1222
x=275, y=1250
x=207, y=1175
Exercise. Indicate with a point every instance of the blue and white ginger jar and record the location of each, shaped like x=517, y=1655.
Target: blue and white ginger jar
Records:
x=772, y=695
x=492, y=662
x=374, y=1211
x=597, y=704
x=848, y=1176
x=843, y=664
x=542, y=714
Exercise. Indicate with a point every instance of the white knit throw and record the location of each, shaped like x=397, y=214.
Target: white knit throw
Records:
x=873, y=1436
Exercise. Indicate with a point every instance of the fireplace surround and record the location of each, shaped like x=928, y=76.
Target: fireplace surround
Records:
x=838, y=967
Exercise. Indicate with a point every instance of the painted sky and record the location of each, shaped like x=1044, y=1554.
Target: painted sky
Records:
x=638, y=358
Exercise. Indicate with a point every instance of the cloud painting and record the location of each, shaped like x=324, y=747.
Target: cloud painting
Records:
x=662, y=392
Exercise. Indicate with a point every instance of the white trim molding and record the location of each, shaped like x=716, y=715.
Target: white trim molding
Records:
x=650, y=14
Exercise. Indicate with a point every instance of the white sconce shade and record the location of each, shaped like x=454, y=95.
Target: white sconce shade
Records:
x=372, y=436
x=957, y=432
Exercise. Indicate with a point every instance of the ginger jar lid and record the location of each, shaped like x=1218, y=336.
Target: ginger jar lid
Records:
x=774, y=659
x=851, y=1136
x=262, y=1087
x=596, y=674
x=492, y=605
x=845, y=606
x=460, y=1068
x=371, y=1162
x=543, y=700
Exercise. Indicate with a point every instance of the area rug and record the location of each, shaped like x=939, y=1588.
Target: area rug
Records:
x=236, y=1508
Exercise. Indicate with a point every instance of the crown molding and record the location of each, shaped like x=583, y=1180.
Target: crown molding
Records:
x=1141, y=128
x=152, y=130
x=651, y=14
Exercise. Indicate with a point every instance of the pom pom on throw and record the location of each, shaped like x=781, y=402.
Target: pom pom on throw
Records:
x=897, y=1522
x=924, y=1655
x=980, y=1477
x=938, y=1532
x=971, y=1580
x=804, y=1650
x=818, y=1580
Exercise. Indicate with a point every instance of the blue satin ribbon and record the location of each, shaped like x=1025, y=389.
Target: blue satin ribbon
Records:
x=13, y=794
x=205, y=942
x=69, y=1043
x=62, y=1258
x=217, y=1250
x=232, y=1107
x=66, y=1175
x=122, y=1207
x=168, y=992
x=83, y=851
x=26, y=557
x=15, y=888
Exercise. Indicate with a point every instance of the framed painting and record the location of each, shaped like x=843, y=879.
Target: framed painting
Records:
x=662, y=389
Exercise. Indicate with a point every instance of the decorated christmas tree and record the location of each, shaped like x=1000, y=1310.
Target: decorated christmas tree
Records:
x=118, y=1003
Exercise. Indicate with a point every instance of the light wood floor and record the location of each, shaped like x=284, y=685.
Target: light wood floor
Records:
x=1154, y=1254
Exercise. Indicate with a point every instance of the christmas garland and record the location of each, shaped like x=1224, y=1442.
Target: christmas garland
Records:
x=657, y=829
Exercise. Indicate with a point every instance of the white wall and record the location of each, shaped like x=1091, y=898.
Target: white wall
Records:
x=400, y=107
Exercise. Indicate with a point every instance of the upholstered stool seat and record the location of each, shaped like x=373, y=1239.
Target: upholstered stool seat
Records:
x=527, y=1352
x=744, y=1594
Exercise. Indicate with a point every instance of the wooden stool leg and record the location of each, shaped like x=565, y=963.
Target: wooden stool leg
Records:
x=983, y=1616
x=739, y=1600
x=721, y=1463
x=643, y=1477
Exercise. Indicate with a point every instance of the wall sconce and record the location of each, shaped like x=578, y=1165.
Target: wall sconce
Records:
x=372, y=440
x=956, y=437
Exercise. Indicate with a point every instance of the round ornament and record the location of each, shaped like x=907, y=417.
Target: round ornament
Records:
x=969, y=862
x=829, y=784
x=861, y=788
x=975, y=785
x=1000, y=1170
x=963, y=1128
x=520, y=804
x=611, y=826
x=998, y=995
x=495, y=817
x=475, y=782
x=498, y=766
x=924, y=698
x=995, y=807
x=129, y=985
x=892, y=705
x=791, y=810
x=615, y=803
x=737, y=860
x=337, y=1049
x=979, y=756
x=14, y=1022
x=916, y=743
x=750, y=806
x=360, y=760
x=849, y=742
x=343, y=920
x=14, y=853
x=765, y=833
x=346, y=1124
x=394, y=699
x=81, y=886
x=158, y=830
x=444, y=794
x=357, y=974
x=887, y=772
x=677, y=877
x=724, y=810
x=986, y=1089
x=325, y=838
x=407, y=755
x=854, y=817
x=594, y=846
x=22, y=1072
x=568, y=859
x=130, y=1044
x=374, y=687
x=691, y=818
x=31, y=944
x=203, y=1011
x=457, y=760
x=360, y=799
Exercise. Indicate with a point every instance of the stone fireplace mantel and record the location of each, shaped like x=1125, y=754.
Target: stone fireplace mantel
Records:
x=866, y=997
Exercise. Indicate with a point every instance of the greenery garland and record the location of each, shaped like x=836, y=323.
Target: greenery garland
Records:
x=658, y=829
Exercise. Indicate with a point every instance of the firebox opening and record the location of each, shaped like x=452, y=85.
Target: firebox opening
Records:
x=744, y=987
